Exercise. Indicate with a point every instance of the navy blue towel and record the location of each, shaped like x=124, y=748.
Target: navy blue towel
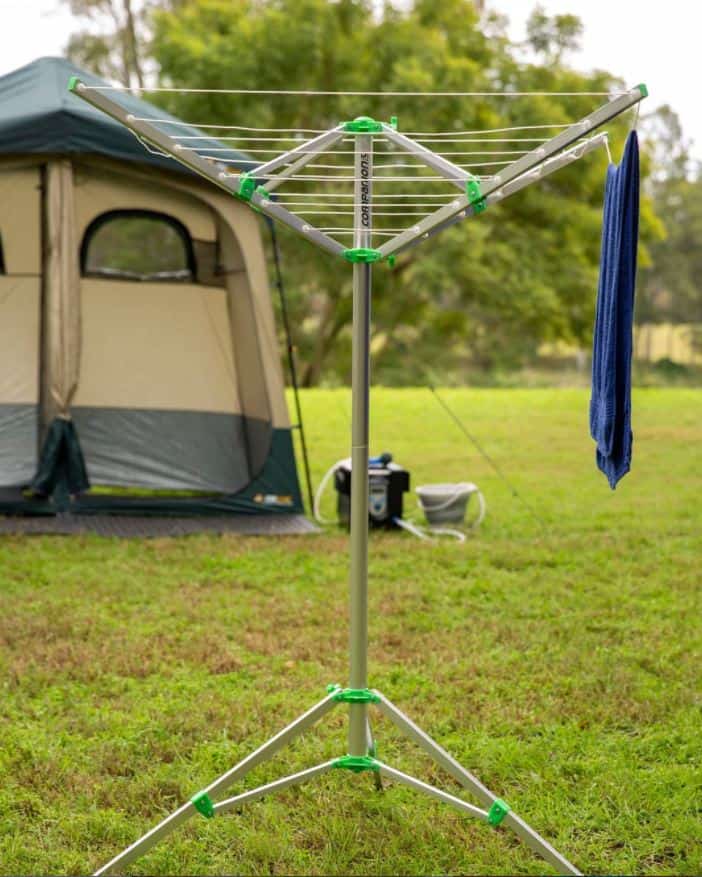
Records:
x=610, y=404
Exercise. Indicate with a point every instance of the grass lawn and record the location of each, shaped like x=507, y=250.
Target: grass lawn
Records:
x=559, y=662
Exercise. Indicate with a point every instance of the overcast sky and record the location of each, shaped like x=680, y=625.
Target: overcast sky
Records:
x=658, y=44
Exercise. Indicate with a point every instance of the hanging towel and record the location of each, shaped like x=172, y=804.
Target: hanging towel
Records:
x=610, y=404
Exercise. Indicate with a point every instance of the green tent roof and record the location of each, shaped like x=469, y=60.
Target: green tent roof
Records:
x=38, y=115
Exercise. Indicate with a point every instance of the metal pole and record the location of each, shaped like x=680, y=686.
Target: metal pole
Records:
x=360, y=385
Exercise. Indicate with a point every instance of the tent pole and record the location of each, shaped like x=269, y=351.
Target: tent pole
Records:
x=291, y=361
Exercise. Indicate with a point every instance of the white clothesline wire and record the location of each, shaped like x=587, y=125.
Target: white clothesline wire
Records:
x=353, y=152
x=346, y=167
x=351, y=195
x=312, y=93
x=400, y=209
x=351, y=213
x=318, y=178
x=350, y=140
x=386, y=233
x=293, y=130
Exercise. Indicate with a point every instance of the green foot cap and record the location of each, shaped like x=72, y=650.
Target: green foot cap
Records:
x=203, y=804
x=497, y=812
x=356, y=763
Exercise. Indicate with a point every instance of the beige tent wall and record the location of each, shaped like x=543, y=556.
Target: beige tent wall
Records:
x=20, y=302
x=253, y=318
x=153, y=345
x=159, y=401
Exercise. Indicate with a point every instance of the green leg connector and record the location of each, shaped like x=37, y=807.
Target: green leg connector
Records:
x=353, y=695
x=203, y=804
x=497, y=812
x=356, y=763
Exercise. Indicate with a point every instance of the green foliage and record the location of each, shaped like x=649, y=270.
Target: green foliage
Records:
x=486, y=292
x=670, y=289
x=561, y=664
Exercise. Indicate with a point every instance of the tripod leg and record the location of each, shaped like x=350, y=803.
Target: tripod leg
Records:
x=267, y=750
x=432, y=791
x=294, y=780
x=377, y=779
x=468, y=781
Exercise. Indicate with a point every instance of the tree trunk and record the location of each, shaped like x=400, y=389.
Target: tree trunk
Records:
x=132, y=44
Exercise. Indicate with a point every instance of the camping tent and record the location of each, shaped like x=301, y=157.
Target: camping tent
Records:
x=137, y=338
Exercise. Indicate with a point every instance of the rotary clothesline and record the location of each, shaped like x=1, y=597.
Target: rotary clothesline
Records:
x=473, y=198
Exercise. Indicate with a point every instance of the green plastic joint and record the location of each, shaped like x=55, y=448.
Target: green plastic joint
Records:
x=475, y=195
x=73, y=83
x=247, y=186
x=203, y=804
x=363, y=125
x=497, y=812
x=362, y=254
x=392, y=258
x=393, y=122
x=356, y=763
x=642, y=88
x=353, y=695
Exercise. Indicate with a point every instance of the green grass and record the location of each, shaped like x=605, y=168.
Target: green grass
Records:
x=560, y=663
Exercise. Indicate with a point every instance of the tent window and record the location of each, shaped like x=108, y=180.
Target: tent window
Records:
x=139, y=245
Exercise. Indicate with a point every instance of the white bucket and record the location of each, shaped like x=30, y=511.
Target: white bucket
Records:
x=447, y=503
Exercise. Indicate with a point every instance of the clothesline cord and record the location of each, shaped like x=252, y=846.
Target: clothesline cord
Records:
x=293, y=130
x=395, y=153
x=350, y=140
x=313, y=93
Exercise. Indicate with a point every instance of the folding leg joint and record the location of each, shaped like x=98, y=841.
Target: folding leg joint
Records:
x=497, y=812
x=356, y=763
x=352, y=695
x=203, y=804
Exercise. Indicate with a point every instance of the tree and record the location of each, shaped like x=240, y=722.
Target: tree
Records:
x=670, y=289
x=553, y=36
x=113, y=42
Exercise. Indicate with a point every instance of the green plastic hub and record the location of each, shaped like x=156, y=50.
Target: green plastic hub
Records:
x=247, y=186
x=356, y=763
x=73, y=83
x=475, y=195
x=363, y=125
x=353, y=695
x=642, y=88
x=497, y=812
x=203, y=804
x=362, y=254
